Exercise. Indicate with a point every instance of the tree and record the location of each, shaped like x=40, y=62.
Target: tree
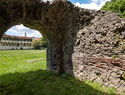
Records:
x=36, y=44
x=44, y=42
x=113, y=0
x=117, y=6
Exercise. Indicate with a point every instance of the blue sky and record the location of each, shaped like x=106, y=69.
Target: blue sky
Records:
x=80, y=1
x=19, y=30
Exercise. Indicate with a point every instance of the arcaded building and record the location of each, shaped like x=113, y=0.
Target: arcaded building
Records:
x=9, y=42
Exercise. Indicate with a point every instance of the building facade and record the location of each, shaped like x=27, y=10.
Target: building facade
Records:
x=9, y=42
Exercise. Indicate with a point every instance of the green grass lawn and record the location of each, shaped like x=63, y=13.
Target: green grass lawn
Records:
x=23, y=73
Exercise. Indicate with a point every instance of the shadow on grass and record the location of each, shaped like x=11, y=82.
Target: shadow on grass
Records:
x=44, y=83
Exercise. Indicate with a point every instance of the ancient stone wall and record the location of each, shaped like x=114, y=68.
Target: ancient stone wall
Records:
x=98, y=49
x=87, y=44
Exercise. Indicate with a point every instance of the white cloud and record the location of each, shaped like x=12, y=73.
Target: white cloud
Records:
x=94, y=1
x=94, y=4
x=19, y=30
x=35, y=33
x=46, y=0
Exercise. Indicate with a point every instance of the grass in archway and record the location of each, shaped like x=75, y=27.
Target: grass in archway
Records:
x=23, y=73
x=12, y=61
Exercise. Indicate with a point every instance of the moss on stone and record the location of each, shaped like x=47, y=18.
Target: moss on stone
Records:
x=124, y=76
x=114, y=56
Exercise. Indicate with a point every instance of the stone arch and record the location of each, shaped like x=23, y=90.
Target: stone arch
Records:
x=44, y=17
x=9, y=43
x=76, y=37
x=6, y=43
x=13, y=43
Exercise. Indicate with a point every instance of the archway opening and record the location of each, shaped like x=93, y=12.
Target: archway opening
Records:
x=22, y=49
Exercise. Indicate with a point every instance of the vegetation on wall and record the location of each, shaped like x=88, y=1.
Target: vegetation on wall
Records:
x=124, y=76
x=117, y=6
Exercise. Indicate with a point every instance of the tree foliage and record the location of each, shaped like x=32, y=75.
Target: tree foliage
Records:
x=44, y=42
x=36, y=44
x=117, y=6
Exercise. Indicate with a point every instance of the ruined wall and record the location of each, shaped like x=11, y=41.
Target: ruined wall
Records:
x=99, y=49
x=87, y=44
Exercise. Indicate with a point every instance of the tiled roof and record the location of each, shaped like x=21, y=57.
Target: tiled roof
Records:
x=38, y=39
x=17, y=37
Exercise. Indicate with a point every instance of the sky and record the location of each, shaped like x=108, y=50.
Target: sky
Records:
x=19, y=30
